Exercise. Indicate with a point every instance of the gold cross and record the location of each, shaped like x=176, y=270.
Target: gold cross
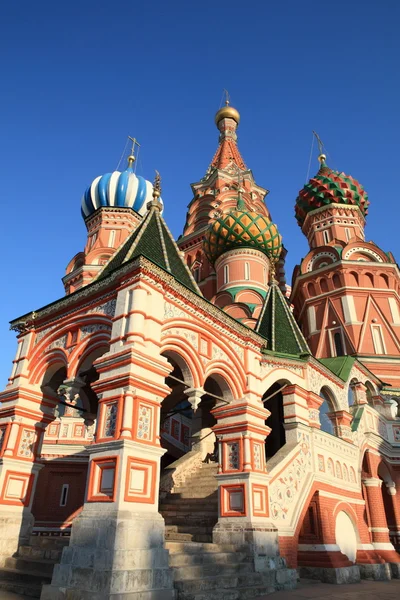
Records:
x=131, y=157
x=320, y=144
x=226, y=97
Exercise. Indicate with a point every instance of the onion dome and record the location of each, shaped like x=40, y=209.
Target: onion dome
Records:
x=330, y=187
x=123, y=190
x=227, y=112
x=241, y=228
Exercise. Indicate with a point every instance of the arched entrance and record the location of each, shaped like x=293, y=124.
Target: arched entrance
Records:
x=188, y=486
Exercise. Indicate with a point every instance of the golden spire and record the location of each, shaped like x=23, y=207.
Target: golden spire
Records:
x=156, y=193
x=132, y=157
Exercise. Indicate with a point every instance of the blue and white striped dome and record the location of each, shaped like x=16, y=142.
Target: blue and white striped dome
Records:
x=125, y=190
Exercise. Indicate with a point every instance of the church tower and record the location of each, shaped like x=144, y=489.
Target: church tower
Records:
x=229, y=241
x=345, y=292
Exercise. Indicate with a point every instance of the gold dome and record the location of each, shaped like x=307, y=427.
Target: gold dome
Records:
x=227, y=112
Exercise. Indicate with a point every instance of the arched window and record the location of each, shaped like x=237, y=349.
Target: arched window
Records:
x=370, y=392
x=369, y=280
x=384, y=280
x=326, y=408
x=226, y=274
x=353, y=277
x=336, y=281
x=246, y=271
x=326, y=235
x=324, y=286
x=311, y=290
x=338, y=341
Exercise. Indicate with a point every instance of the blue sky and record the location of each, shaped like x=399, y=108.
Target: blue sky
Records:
x=78, y=77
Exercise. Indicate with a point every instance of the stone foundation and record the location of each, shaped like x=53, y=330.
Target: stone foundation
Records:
x=15, y=530
x=336, y=575
x=113, y=556
x=378, y=572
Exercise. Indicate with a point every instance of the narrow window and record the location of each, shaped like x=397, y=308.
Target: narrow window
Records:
x=246, y=271
x=377, y=338
x=348, y=234
x=226, y=274
x=111, y=239
x=94, y=238
x=338, y=341
x=64, y=494
x=325, y=233
x=196, y=275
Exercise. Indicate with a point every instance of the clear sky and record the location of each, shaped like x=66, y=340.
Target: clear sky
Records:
x=78, y=77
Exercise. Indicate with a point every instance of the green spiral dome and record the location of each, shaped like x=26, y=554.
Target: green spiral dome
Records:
x=242, y=229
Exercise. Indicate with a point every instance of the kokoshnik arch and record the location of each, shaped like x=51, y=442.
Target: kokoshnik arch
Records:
x=182, y=424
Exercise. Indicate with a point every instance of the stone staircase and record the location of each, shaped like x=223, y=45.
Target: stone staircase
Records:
x=223, y=572
x=190, y=510
x=32, y=567
x=203, y=570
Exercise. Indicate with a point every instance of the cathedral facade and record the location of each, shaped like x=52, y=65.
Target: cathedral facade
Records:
x=182, y=424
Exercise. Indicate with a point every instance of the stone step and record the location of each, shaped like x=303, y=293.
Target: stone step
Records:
x=194, y=572
x=196, y=548
x=188, y=492
x=174, y=536
x=201, y=477
x=24, y=583
x=246, y=586
x=193, y=503
x=193, y=520
x=189, y=506
x=30, y=565
x=193, y=529
x=206, y=584
x=188, y=514
x=38, y=552
x=205, y=558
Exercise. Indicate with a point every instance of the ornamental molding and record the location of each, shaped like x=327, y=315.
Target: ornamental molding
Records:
x=364, y=250
x=331, y=255
x=286, y=489
x=271, y=365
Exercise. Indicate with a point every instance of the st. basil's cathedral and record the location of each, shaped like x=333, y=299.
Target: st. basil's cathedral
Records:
x=184, y=425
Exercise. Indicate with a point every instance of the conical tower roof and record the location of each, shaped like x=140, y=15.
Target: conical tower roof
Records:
x=153, y=240
x=277, y=324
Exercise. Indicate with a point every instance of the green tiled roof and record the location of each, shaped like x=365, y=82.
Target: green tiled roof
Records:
x=153, y=240
x=277, y=324
x=339, y=365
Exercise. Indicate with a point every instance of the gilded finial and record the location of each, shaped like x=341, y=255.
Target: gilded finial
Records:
x=272, y=278
x=132, y=157
x=156, y=193
x=157, y=185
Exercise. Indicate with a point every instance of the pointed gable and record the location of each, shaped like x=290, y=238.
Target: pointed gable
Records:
x=153, y=240
x=278, y=325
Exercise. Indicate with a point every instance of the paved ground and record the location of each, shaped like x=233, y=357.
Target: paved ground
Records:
x=366, y=590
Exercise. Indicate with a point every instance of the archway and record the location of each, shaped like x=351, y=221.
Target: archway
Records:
x=176, y=418
x=389, y=492
x=273, y=401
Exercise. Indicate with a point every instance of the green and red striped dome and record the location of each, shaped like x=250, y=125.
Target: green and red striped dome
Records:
x=330, y=187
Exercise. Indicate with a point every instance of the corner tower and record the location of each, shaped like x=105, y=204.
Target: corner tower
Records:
x=345, y=292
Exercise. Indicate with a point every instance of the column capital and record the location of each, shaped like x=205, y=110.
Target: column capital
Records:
x=194, y=396
x=372, y=482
